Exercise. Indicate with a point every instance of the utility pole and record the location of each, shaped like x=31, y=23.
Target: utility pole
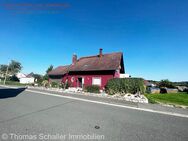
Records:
x=6, y=74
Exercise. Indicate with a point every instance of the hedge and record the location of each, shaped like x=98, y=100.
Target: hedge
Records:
x=125, y=85
x=92, y=89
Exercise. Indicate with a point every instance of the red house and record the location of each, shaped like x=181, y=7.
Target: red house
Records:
x=90, y=70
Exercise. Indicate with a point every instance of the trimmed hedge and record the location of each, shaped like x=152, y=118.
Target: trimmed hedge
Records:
x=125, y=85
x=92, y=89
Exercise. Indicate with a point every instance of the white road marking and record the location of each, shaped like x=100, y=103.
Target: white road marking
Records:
x=110, y=104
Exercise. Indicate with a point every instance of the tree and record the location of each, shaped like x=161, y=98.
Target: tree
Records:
x=14, y=67
x=38, y=78
x=11, y=69
x=50, y=68
x=13, y=78
x=166, y=83
x=3, y=69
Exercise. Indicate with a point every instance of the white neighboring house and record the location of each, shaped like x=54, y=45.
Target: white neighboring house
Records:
x=25, y=79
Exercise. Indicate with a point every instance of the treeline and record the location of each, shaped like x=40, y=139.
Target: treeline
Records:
x=182, y=83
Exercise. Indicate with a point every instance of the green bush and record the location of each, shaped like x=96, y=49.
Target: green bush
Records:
x=92, y=89
x=166, y=83
x=125, y=85
x=13, y=78
x=67, y=85
x=148, y=91
x=54, y=84
x=61, y=85
x=45, y=83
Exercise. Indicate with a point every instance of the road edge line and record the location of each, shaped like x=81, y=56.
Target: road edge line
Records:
x=111, y=104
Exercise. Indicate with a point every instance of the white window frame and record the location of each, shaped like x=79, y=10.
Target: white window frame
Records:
x=83, y=81
x=96, y=78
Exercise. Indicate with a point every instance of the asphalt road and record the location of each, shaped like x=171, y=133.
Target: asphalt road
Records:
x=32, y=116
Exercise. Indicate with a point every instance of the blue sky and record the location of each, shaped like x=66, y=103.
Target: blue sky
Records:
x=153, y=35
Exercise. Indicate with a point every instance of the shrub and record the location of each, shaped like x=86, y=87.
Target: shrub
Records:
x=92, y=89
x=61, y=85
x=38, y=79
x=163, y=90
x=125, y=85
x=45, y=83
x=67, y=85
x=13, y=78
x=64, y=85
x=148, y=90
x=54, y=84
x=166, y=83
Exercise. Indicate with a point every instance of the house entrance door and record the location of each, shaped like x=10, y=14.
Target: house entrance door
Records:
x=80, y=82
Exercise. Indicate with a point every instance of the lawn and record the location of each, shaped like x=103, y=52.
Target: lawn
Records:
x=171, y=98
x=13, y=83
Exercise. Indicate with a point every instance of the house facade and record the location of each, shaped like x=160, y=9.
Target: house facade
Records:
x=90, y=70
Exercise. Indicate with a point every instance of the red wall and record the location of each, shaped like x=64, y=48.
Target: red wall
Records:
x=87, y=79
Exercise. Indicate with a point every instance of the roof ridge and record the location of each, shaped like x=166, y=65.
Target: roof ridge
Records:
x=61, y=66
x=88, y=57
x=98, y=55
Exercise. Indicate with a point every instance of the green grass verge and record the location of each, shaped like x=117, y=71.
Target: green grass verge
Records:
x=171, y=98
x=14, y=83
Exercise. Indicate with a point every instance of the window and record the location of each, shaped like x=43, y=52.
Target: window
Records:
x=96, y=81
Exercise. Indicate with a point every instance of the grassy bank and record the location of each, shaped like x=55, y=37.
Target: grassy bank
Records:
x=13, y=83
x=171, y=98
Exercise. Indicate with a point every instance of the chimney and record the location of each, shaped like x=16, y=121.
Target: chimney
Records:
x=100, y=52
x=74, y=59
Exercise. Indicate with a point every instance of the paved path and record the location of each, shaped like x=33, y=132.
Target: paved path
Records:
x=39, y=116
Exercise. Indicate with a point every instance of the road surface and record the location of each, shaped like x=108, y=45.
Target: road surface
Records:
x=28, y=115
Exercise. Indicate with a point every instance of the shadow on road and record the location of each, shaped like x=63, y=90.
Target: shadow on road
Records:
x=8, y=92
